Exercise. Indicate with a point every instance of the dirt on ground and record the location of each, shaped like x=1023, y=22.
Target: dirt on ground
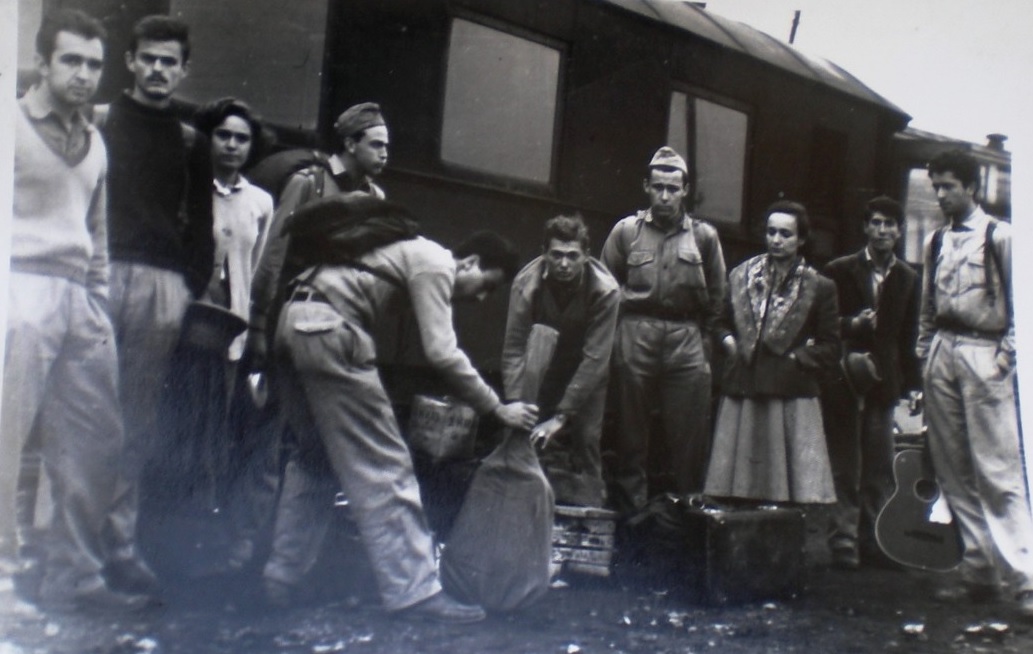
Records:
x=874, y=609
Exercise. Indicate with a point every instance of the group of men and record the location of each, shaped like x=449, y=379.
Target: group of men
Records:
x=112, y=239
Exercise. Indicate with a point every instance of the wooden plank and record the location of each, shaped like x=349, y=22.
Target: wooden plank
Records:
x=597, y=557
x=582, y=539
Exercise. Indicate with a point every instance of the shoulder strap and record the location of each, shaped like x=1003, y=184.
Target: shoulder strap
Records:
x=934, y=251
x=100, y=115
x=990, y=257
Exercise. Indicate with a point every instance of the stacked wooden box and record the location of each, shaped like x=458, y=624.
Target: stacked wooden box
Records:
x=583, y=540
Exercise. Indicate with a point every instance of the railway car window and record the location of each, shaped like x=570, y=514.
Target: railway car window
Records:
x=500, y=103
x=267, y=52
x=717, y=157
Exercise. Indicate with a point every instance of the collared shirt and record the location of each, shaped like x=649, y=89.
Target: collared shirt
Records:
x=69, y=140
x=960, y=288
x=241, y=215
x=345, y=182
x=667, y=272
x=878, y=276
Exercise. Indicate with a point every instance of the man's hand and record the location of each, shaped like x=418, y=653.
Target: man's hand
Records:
x=915, y=402
x=542, y=433
x=517, y=415
x=866, y=317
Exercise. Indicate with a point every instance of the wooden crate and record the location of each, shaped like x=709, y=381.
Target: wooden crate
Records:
x=584, y=539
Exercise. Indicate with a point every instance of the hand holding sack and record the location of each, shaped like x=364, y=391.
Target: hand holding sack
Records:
x=500, y=547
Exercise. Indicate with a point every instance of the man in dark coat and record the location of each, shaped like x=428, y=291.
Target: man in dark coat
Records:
x=878, y=308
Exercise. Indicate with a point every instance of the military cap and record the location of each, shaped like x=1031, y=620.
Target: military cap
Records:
x=357, y=118
x=666, y=157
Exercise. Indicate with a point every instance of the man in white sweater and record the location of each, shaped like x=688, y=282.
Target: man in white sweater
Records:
x=60, y=368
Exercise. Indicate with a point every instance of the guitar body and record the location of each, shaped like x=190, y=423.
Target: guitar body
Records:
x=905, y=528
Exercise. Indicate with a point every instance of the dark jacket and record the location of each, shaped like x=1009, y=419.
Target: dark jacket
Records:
x=762, y=366
x=892, y=342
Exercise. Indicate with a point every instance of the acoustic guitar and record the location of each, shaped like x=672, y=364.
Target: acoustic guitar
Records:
x=916, y=527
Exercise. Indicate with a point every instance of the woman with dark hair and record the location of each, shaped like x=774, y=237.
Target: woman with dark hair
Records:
x=241, y=212
x=779, y=330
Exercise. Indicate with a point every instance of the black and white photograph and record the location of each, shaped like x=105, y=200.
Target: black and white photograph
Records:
x=514, y=326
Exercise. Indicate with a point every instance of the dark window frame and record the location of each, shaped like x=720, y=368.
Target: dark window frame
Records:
x=491, y=179
x=693, y=92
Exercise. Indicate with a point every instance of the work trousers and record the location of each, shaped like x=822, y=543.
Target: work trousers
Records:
x=860, y=443
x=572, y=461
x=333, y=362
x=61, y=376
x=147, y=309
x=660, y=365
x=974, y=443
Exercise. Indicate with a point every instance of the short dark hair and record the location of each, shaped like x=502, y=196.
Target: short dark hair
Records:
x=566, y=228
x=66, y=20
x=161, y=28
x=795, y=209
x=667, y=169
x=887, y=206
x=957, y=161
x=496, y=252
x=215, y=113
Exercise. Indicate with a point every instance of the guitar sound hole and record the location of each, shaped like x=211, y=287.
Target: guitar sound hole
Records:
x=926, y=490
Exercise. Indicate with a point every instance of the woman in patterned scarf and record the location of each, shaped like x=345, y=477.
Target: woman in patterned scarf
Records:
x=780, y=329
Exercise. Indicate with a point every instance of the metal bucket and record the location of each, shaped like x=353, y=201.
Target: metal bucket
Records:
x=443, y=427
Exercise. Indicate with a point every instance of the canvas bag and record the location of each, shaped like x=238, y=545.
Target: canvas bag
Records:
x=500, y=547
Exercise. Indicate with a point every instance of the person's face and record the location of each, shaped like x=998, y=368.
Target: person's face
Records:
x=666, y=191
x=956, y=200
x=564, y=260
x=882, y=232
x=370, y=151
x=472, y=281
x=782, y=236
x=231, y=143
x=157, y=68
x=71, y=75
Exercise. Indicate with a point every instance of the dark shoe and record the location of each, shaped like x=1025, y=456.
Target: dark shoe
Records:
x=131, y=576
x=98, y=599
x=845, y=558
x=442, y=608
x=976, y=593
x=1025, y=604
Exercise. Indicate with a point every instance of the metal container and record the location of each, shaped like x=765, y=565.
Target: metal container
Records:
x=442, y=427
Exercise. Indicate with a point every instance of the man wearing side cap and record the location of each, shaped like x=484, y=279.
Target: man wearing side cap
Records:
x=361, y=156
x=878, y=314
x=672, y=275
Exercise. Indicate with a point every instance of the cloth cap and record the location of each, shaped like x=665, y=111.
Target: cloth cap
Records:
x=210, y=327
x=357, y=118
x=666, y=157
x=861, y=373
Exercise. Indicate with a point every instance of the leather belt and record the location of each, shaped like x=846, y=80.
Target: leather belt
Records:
x=960, y=330
x=308, y=295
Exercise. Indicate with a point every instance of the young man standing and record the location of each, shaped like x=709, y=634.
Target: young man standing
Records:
x=878, y=315
x=672, y=275
x=573, y=293
x=60, y=369
x=966, y=340
x=162, y=251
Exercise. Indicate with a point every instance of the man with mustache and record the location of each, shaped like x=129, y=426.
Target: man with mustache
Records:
x=162, y=252
x=966, y=340
x=672, y=275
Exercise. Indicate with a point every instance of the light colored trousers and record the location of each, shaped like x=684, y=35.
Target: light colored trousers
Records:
x=974, y=442
x=333, y=363
x=61, y=367
x=147, y=309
